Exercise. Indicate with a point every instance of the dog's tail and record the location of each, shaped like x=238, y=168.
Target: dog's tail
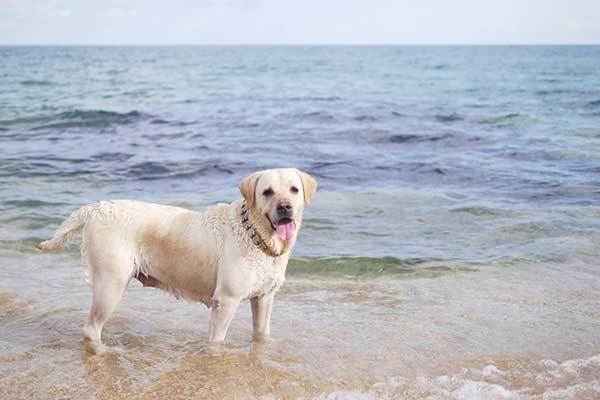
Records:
x=69, y=229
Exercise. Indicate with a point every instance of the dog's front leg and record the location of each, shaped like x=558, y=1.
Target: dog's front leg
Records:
x=261, y=315
x=223, y=310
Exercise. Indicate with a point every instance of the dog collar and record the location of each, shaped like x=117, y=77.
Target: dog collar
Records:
x=253, y=233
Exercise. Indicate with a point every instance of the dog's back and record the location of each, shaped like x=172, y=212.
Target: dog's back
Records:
x=117, y=213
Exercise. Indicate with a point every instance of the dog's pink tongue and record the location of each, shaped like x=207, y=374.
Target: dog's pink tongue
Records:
x=285, y=231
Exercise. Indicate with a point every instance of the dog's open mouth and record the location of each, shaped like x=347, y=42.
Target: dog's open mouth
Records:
x=285, y=228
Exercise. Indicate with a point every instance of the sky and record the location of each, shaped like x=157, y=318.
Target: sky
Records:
x=299, y=22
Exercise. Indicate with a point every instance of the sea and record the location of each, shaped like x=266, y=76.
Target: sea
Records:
x=451, y=251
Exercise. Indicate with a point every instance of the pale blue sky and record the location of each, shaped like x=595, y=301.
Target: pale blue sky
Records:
x=299, y=21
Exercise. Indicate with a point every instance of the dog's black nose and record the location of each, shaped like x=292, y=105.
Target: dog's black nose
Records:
x=284, y=209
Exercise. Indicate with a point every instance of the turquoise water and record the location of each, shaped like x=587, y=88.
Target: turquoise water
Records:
x=456, y=222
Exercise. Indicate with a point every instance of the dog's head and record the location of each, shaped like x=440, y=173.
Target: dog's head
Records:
x=278, y=196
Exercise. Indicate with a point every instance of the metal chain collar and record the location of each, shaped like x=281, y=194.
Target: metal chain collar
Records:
x=253, y=233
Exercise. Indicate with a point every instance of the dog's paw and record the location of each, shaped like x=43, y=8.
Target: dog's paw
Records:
x=95, y=347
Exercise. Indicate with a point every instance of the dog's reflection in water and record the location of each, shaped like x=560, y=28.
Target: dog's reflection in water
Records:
x=214, y=370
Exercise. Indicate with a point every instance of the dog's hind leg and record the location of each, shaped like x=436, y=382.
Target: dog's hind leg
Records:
x=111, y=271
x=107, y=294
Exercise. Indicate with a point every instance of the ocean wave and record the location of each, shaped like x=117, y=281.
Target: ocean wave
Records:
x=368, y=267
x=526, y=154
x=327, y=164
x=112, y=156
x=317, y=115
x=91, y=118
x=478, y=211
x=414, y=168
x=454, y=117
x=594, y=103
x=34, y=82
x=28, y=168
x=153, y=170
x=78, y=118
x=365, y=118
x=113, y=165
x=412, y=138
x=70, y=160
x=503, y=379
x=549, y=92
x=314, y=98
x=505, y=119
x=161, y=121
x=31, y=203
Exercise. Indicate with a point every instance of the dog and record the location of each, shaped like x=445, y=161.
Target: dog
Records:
x=226, y=254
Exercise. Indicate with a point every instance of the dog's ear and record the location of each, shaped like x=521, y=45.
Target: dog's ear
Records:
x=309, y=184
x=248, y=188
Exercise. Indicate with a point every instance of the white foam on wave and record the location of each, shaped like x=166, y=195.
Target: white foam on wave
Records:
x=533, y=380
x=442, y=387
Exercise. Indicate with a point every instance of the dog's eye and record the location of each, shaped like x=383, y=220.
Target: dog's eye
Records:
x=294, y=189
x=268, y=192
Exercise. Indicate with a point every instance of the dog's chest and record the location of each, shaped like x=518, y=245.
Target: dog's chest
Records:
x=267, y=277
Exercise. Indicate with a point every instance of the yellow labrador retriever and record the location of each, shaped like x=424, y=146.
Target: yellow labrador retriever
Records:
x=229, y=253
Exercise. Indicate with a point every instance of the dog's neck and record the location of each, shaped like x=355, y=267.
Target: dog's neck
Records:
x=261, y=233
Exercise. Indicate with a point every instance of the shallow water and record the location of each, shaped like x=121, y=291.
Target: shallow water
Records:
x=451, y=250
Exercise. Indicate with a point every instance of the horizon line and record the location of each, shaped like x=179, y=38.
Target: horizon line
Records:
x=283, y=44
